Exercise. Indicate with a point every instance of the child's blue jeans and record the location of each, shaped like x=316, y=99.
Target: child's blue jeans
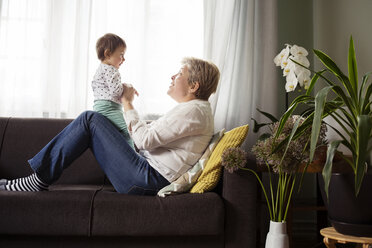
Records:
x=127, y=170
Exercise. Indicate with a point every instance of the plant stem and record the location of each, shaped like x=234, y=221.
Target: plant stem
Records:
x=271, y=192
x=281, y=193
x=263, y=189
x=289, y=197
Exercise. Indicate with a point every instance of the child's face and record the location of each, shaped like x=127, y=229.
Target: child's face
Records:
x=116, y=58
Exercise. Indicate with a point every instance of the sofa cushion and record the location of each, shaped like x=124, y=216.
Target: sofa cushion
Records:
x=55, y=212
x=185, y=214
x=22, y=138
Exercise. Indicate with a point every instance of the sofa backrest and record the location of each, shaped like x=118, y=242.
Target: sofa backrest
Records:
x=22, y=138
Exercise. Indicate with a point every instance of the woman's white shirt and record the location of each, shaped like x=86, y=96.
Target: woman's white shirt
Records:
x=175, y=142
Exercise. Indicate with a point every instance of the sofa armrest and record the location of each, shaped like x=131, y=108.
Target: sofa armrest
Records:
x=239, y=191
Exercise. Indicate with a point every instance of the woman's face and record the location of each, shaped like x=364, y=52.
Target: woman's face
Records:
x=179, y=89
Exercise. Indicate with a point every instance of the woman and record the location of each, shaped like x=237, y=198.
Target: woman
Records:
x=168, y=147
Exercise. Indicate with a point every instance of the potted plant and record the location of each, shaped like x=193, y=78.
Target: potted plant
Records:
x=283, y=166
x=349, y=106
x=283, y=155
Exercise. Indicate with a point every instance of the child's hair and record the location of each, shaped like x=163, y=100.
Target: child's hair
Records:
x=109, y=42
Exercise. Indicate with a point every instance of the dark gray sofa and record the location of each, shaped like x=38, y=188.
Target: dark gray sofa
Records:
x=82, y=209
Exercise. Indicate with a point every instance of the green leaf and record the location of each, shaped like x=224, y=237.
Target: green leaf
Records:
x=320, y=100
x=331, y=65
x=363, y=136
x=299, y=132
x=309, y=110
x=289, y=198
x=341, y=121
x=313, y=81
x=257, y=126
x=294, y=129
x=367, y=109
x=263, y=189
x=317, y=73
x=288, y=113
x=352, y=67
x=347, y=100
x=366, y=100
x=268, y=115
x=329, y=108
x=327, y=170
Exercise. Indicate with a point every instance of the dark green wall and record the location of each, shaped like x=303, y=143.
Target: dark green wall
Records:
x=295, y=26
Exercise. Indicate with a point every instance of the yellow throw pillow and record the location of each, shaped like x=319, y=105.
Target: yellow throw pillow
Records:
x=185, y=182
x=212, y=170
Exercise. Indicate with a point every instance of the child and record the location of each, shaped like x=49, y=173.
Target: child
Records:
x=106, y=84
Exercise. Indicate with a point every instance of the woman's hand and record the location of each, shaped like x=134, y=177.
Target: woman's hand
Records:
x=128, y=95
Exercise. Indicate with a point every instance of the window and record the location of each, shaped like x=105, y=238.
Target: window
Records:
x=21, y=42
x=48, y=59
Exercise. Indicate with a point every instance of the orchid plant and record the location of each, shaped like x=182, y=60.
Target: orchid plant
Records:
x=293, y=60
x=295, y=73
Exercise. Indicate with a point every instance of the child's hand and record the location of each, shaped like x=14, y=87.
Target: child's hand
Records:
x=128, y=93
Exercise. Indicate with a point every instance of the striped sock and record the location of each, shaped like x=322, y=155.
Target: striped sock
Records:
x=30, y=183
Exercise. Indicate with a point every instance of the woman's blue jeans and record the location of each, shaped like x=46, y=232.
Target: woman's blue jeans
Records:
x=127, y=170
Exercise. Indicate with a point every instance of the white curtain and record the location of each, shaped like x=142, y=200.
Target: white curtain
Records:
x=44, y=57
x=48, y=58
x=241, y=38
x=66, y=58
x=47, y=53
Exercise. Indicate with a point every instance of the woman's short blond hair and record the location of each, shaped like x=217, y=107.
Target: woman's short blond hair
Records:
x=203, y=72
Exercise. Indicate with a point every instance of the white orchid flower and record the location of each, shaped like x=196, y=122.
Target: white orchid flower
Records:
x=295, y=74
x=304, y=77
x=282, y=56
x=300, y=59
x=291, y=82
x=298, y=51
x=290, y=67
x=301, y=70
x=284, y=63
